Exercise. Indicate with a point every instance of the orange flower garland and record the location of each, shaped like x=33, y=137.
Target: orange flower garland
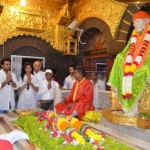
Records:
x=133, y=62
x=80, y=126
x=64, y=125
x=77, y=125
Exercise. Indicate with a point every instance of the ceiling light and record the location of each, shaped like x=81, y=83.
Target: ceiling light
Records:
x=22, y=3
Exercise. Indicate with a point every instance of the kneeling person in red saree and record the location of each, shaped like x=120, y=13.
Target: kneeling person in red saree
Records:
x=80, y=98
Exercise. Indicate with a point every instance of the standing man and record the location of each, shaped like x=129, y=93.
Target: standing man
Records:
x=40, y=75
x=46, y=90
x=8, y=82
x=96, y=81
x=80, y=99
x=70, y=79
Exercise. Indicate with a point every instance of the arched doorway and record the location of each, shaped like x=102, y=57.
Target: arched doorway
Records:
x=89, y=27
x=28, y=51
x=28, y=45
x=25, y=54
x=99, y=44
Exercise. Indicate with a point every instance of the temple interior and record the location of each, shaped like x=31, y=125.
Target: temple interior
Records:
x=61, y=33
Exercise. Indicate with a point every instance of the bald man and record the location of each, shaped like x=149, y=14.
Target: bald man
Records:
x=39, y=74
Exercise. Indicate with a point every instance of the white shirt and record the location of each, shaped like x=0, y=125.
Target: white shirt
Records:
x=40, y=77
x=69, y=82
x=27, y=96
x=100, y=84
x=7, y=92
x=44, y=92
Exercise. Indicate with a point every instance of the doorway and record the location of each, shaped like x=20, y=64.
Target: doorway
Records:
x=18, y=62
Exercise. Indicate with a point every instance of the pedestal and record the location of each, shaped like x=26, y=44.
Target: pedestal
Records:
x=119, y=117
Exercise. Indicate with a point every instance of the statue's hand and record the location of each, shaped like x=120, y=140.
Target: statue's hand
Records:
x=148, y=80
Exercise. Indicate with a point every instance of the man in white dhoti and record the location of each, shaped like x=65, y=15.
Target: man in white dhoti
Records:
x=46, y=90
x=8, y=82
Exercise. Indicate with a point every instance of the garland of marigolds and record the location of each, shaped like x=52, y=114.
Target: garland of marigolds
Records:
x=134, y=61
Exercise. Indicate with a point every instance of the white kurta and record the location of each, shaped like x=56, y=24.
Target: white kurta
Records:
x=40, y=77
x=27, y=96
x=69, y=81
x=100, y=84
x=7, y=92
x=44, y=92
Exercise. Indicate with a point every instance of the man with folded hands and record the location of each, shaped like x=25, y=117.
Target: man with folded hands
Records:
x=46, y=91
x=8, y=82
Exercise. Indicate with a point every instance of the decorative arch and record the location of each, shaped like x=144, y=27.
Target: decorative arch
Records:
x=91, y=26
x=102, y=27
x=28, y=45
x=28, y=51
x=35, y=44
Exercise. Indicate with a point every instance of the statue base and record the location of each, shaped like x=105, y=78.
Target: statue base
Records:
x=119, y=117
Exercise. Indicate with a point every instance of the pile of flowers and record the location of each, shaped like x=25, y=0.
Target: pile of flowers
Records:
x=46, y=134
x=74, y=131
x=87, y=130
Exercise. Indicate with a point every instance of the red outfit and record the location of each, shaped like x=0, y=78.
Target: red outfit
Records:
x=5, y=145
x=81, y=95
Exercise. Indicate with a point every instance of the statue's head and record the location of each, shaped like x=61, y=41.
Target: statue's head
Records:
x=140, y=20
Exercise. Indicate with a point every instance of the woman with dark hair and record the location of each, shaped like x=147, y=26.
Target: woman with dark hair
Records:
x=28, y=87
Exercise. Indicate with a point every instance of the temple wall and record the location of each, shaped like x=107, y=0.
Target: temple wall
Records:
x=107, y=10
x=41, y=19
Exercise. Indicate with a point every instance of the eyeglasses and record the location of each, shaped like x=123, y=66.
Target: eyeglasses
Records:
x=27, y=86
